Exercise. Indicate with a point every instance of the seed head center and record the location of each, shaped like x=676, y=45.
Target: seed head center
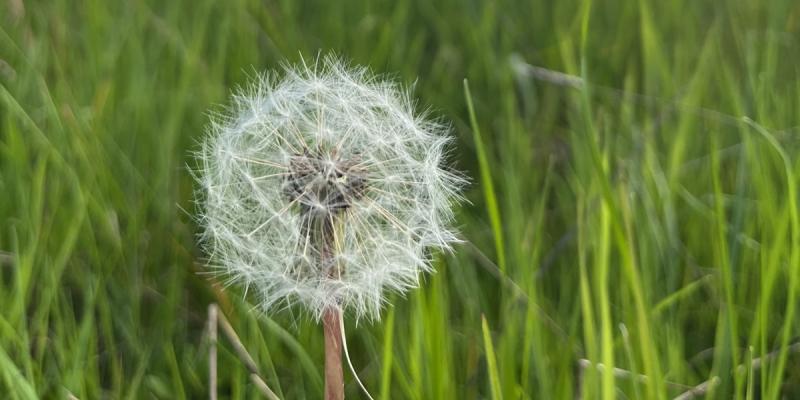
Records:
x=323, y=183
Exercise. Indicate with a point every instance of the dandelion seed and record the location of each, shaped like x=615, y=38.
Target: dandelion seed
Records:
x=323, y=188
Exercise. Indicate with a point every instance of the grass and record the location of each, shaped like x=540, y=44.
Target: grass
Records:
x=633, y=205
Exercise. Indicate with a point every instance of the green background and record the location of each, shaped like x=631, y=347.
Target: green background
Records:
x=627, y=214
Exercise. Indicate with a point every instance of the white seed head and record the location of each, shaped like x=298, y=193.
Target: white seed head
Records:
x=323, y=187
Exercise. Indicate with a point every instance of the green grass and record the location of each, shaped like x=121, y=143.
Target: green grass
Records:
x=640, y=213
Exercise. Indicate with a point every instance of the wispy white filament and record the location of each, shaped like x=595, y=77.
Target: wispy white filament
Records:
x=256, y=206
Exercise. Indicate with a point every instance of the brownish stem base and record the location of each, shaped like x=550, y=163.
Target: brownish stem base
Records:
x=334, y=377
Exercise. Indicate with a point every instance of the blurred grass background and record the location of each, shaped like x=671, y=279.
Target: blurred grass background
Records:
x=627, y=214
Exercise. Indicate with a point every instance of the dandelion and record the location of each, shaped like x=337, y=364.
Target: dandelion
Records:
x=324, y=189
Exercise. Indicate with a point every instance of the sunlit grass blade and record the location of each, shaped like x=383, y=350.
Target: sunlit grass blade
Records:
x=491, y=361
x=489, y=193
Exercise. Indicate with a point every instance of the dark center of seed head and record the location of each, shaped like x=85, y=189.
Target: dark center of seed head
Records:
x=323, y=184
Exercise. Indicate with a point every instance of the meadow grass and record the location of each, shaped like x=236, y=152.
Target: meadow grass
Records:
x=633, y=203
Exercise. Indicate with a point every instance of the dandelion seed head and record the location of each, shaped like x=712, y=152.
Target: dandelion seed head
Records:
x=324, y=188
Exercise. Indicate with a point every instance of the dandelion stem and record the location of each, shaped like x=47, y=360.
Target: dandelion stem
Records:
x=331, y=318
x=334, y=376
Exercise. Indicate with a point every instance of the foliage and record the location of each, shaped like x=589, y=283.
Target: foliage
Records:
x=635, y=218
